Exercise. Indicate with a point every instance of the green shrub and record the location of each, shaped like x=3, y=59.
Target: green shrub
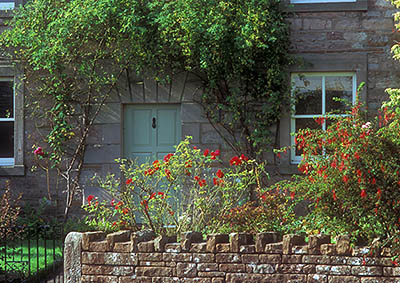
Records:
x=184, y=191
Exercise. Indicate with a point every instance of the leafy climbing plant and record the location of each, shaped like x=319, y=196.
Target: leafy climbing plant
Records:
x=76, y=51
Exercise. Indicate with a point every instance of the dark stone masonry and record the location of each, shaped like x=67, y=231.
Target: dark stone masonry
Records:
x=139, y=257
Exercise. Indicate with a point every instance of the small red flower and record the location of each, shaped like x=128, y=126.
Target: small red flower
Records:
x=168, y=173
x=89, y=199
x=171, y=212
x=206, y=152
x=152, y=196
x=118, y=205
x=373, y=181
x=125, y=211
x=357, y=156
x=379, y=193
x=112, y=202
x=114, y=224
x=220, y=174
x=215, y=181
x=156, y=164
x=38, y=151
x=334, y=195
x=129, y=181
x=263, y=197
x=161, y=194
x=292, y=194
x=168, y=157
x=345, y=178
x=244, y=158
x=235, y=161
x=363, y=193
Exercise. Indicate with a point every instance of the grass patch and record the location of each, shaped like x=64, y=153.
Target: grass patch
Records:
x=29, y=256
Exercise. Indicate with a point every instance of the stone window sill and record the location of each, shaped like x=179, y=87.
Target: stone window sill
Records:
x=16, y=170
x=359, y=5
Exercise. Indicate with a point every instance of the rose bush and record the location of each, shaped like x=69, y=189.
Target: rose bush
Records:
x=183, y=191
x=351, y=175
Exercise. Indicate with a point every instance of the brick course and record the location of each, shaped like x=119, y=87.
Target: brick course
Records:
x=342, y=264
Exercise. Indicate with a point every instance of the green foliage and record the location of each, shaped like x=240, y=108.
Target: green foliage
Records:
x=352, y=175
x=179, y=193
x=273, y=212
x=75, y=49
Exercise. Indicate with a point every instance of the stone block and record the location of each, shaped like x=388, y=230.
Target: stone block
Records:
x=111, y=134
x=99, y=279
x=101, y=246
x=328, y=249
x=218, y=280
x=186, y=269
x=150, y=256
x=198, y=247
x=263, y=268
x=232, y=267
x=333, y=270
x=247, y=249
x=175, y=257
x=291, y=240
x=238, y=239
x=146, y=247
x=161, y=241
x=193, y=130
x=119, y=259
x=250, y=258
x=391, y=271
x=151, y=271
x=275, y=248
x=343, y=245
x=173, y=247
x=120, y=236
x=317, y=278
x=91, y=237
x=228, y=258
x=292, y=259
x=315, y=242
x=367, y=270
x=192, y=113
x=214, y=239
x=265, y=238
x=211, y=274
x=107, y=270
x=123, y=247
x=203, y=257
x=319, y=259
x=72, y=257
x=222, y=248
x=190, y=237
x=207, y=267
x=141, y=236
x=343, y=279
x=270, y=258
x=92, y=258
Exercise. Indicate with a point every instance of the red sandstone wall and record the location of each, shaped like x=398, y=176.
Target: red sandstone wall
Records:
x=124, y=257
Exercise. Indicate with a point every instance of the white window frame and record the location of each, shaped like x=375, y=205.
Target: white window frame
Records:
x=296, y=159
x=9, y=161
x=7, y=5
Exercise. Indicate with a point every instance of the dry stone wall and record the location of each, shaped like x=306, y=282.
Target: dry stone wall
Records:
x=265, y=257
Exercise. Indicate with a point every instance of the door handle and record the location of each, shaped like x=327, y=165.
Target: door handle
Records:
x=154, y=123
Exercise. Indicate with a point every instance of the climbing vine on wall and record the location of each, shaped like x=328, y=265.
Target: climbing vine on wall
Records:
x=75, y=51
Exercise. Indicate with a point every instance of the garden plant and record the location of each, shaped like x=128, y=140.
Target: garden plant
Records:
x=351, y=176
x=183, y=191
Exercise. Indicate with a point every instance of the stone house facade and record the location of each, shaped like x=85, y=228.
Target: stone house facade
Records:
x=340, y=43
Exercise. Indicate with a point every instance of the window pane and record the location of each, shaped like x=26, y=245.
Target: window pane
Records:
x=6, y=139
x=340, y=87
x=308, y=91
x=6, y=99
x=303, y=123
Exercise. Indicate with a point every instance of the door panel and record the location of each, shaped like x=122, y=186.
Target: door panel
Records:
x=151, y=131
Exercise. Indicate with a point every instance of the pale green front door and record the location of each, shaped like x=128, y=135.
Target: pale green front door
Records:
x=151, y=131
